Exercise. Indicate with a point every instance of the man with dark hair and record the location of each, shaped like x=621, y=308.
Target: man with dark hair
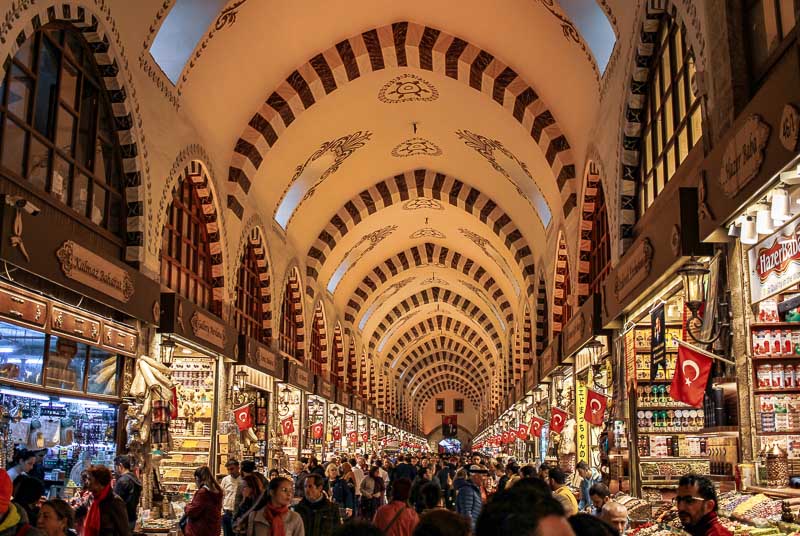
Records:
x=397, y=518
x=431, y=497
x=599, y=494
x=128, y=487
x=468, y=499
x=697, y=506
x=320, y=515
x=589, y=476
x=315, y=468
x=423, y=479
x=404, y=469
x=544, y=472
x=522, y=512
x=562, y=493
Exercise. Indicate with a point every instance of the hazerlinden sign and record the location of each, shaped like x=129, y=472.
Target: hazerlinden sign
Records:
x=775, y=262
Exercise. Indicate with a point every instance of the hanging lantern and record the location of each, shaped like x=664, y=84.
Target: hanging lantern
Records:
x=167, y=352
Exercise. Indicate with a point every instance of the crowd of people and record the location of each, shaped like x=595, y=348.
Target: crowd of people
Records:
x=405, y=495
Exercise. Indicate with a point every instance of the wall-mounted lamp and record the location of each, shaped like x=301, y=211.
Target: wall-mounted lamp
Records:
x=693, y=274
x=167, y=351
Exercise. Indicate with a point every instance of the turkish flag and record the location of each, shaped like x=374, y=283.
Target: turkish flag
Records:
x=522, y=432
x=536, y=426
x=365, y=436
x=352, y=437
x=287, y=425
x=337, y=433
x=316, y=430
x=595, y=408
x=244, y=418
x=691, y=375
x=558, y=417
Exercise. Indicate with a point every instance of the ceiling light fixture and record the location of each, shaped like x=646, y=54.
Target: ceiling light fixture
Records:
x=748, y=234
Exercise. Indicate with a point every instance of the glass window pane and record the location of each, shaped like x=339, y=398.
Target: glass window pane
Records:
x=60, y=179
x=676, y=44
x=65, y=130
x=69, y=83
x=13, y=147
x=668, y=116
x=98, y=204
x=25, y=53
x=102, y=160
x=21, y=353
x=697, y=125
x=670, y=162
x=102, y=372
x=105, y=124
x=80, y=193
x=680, y=90
x=758, y=41
x=683, y=143
x=74, y=47
x=46, y=89
x=86, y=129
x=38, y=163
x=20, y=91
x=66, y=364
x=115, y=215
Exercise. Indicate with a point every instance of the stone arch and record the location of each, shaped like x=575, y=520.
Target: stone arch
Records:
x=635, y=100
x=423, y=357
x=337, y=356
x=447, y=384
x=253, y=237
x=437, y=326
x=527, y=341
x=438, y=370
x=292, y=292
x=99, y=29
x=401, y=44
x=442, y=347
x=562, y=287
x=319, y=329
x=542, y=316
x=423, y=255
x=420, y=183
x=593, y=198
x=351, y=377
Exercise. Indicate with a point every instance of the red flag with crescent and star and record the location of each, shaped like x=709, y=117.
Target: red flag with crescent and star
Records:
x=352, y=437
x=595, y=408
x=244, y=418
x=287, y=425
x=691, y=374
x=337, y=433
x=558, y=417
x=536, y=426
x=522, y=432
x=316, y=430
x=364, y=436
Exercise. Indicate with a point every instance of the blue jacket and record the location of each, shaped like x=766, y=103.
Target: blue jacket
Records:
x=468, y=500
x=586, y=484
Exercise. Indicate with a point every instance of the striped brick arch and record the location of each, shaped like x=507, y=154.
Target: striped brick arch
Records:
x=433, y=295
x=443, y=347
x=292, y=293
x=448, y=384
x=439, y=325
x=424, y=255
x=410, y=185
x=351, y=375
x=442, y=362
x=542, y=327
x=320, y=331
x=255, y=246
x=401, y=44
x=117, y=81
x=593, y=200
x=442, y=371
x=337, y=356
x=527, y=341
x=562, y=310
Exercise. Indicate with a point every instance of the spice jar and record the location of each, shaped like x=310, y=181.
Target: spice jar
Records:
x=777, y=466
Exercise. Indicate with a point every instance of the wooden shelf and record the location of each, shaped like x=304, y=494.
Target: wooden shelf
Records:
x=720, y=429
x=767, y=325
x=773, y=358
x=775, y=492
x=664, y=433
x=785, y=433
x=784, y=391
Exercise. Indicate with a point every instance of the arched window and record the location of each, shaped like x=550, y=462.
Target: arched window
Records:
x=58, y=136
x=289, y=332
x=672, y=122
x=249, y=307
x=185, y=255
x=600, y=254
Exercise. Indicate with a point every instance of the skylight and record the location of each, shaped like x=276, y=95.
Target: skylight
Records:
x=594, y=26
x=185, y=24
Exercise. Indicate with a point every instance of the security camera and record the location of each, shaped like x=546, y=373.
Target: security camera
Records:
x=22, y=204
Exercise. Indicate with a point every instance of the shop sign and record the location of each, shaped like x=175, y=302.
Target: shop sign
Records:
x=580, y=328
x=92, y=270
x=633, y=269
x=324, y=388
x=531, y=376
x=582, y=427
x=358, y=404
x=206, y=328
x=630, y=359
x=184, y=318
x=658, y=347
x=299, y=376
x=75, y=325
x=775, y=262
x=343, y=398
x=23, y=308
x=119, y=340
x=260, y=357
x=790, y=127
x=549, y=359
x=743, y=155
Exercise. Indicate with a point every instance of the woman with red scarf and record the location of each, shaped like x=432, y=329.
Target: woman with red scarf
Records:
x=203, y=516
x=271, y=515
x=107, y=514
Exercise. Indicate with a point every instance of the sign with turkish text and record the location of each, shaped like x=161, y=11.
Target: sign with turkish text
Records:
x=633, y=269
x=206, y=328
x=743, y=155
x=549, y=359
x=629, y=339
x=582, y=429
x=92, y=270
x=775, y=262
x=658, y=347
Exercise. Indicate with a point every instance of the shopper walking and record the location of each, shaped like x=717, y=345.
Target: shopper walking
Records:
x=12, y=518
x=107, y=515
x=21, y=463
x=271, y=515
x=468, y=498
x=397, y=518
x=562, y=493
x=128, y=487
x=589, y=476
x=344, y=489
x=251, y=489
x=372, y=489
x=55, y=518
x=320, y=515
x=201, y=517
x=230, y=491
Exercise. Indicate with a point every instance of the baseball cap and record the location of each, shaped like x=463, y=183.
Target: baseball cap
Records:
x=477, y=470
x=6, y=488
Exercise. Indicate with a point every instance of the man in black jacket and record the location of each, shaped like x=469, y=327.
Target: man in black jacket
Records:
x=127, y=487
x=320, y=515
x=403, y=469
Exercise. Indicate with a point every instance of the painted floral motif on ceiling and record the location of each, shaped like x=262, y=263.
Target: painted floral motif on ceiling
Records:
x=490, y=251
x=485, y=298
x=427, y=232
x=416, y=147
x=422, y=203
x=571, y=33
x=407, y=88
x=433, y=280
x=366, y=243
x=340, y=149
x=392, y=289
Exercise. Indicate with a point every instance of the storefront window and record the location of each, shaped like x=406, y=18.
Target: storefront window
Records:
x=58, y=132
x=21, y=353
x=66, y=363
x=672, y=113
x=767, y=24
x=102, y=372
